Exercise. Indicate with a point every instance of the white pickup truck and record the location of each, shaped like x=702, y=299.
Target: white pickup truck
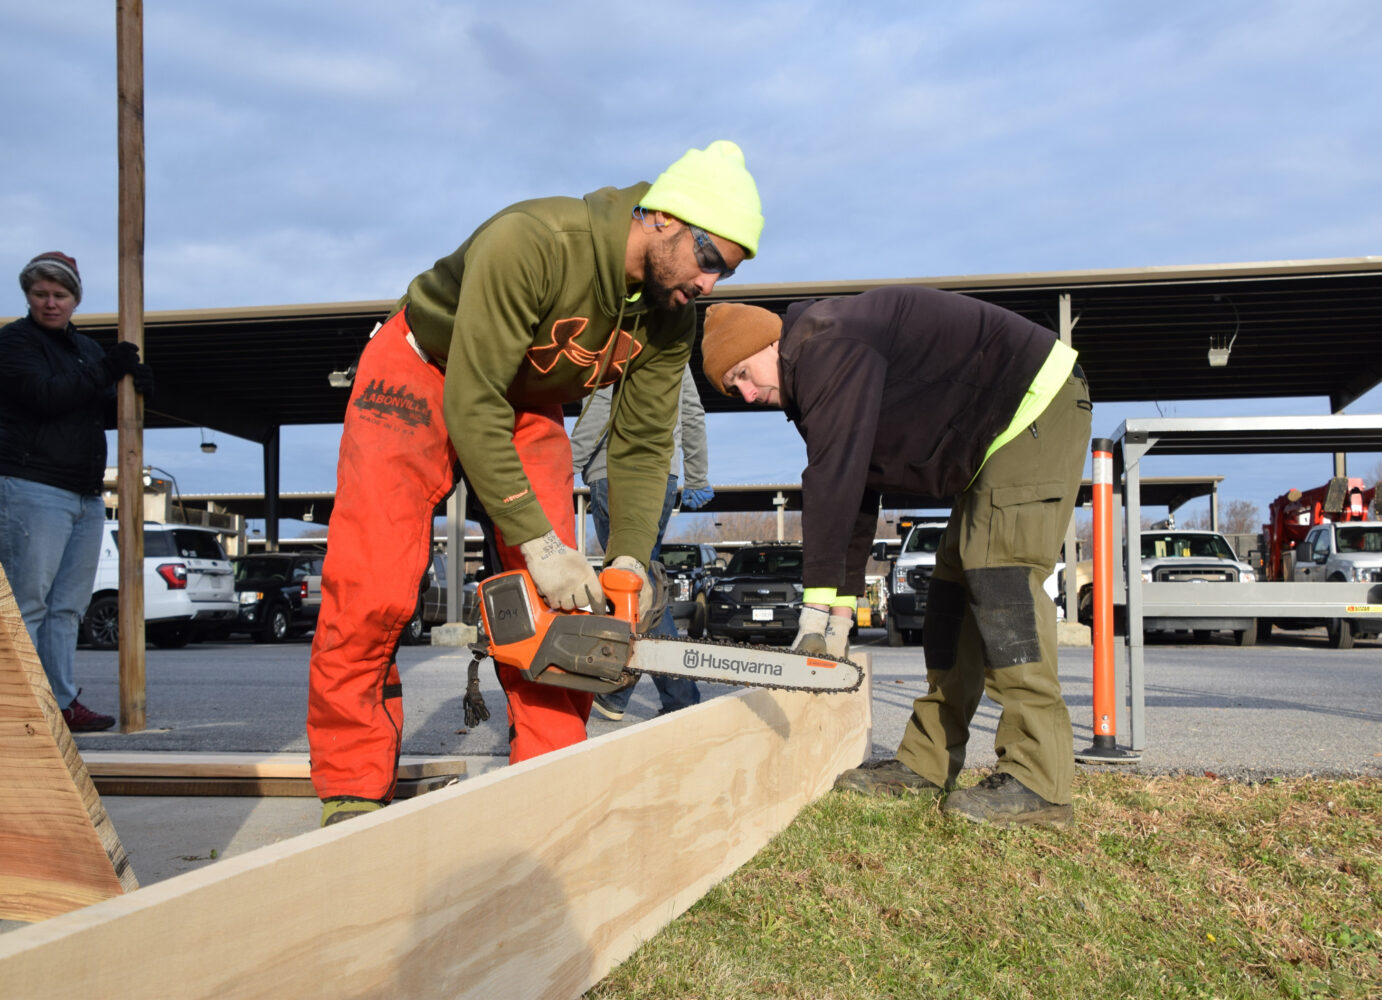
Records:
x=1342, y=552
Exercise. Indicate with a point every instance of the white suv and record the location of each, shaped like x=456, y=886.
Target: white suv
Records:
x=188, y=585
x=909, y=579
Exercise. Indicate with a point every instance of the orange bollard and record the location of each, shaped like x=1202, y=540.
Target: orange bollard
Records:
x=1105, y=749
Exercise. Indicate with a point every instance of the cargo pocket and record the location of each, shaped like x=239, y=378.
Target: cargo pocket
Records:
x=1026, y=526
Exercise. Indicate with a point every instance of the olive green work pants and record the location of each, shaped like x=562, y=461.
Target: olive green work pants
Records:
x=990, y=626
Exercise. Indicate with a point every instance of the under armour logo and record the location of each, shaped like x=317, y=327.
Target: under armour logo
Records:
x=621, y=348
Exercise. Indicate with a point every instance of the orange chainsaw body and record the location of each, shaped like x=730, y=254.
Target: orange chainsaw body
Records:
x=581, y=650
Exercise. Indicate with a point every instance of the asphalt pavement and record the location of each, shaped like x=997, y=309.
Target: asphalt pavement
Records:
x=1288, y=707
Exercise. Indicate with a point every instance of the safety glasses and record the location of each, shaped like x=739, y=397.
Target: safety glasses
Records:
x=708, y=255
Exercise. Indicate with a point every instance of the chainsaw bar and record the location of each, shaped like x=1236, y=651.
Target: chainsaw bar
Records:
x=745, y=666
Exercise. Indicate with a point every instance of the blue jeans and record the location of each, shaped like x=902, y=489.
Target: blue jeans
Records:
x=675, y=692
x=50, y=542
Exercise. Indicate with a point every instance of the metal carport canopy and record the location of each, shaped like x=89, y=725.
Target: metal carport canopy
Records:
x=1303, y=328
x=1157, y=491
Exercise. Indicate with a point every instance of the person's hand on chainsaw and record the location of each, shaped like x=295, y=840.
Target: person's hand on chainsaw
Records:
x=837, y=636
x=645, y=590
x=819, y=631
x=811, y=625
x=562, y=575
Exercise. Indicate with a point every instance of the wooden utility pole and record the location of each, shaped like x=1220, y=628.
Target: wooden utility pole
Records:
x=129, y=71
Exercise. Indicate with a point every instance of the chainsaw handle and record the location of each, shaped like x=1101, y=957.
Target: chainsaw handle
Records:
x=622, y=587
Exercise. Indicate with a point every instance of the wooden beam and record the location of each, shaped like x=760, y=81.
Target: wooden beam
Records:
x=172, y=764
x=531, y=881
x=129, y=101
x=58, y=849
x=244, y=774
x=259, y=788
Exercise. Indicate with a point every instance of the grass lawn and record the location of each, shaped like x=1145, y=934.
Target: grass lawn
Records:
x=1166, y=886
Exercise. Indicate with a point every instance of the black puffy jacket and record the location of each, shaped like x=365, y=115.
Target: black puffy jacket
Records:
x=56, y=400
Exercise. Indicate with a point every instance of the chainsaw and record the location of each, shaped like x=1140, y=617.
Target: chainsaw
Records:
x=599, y=653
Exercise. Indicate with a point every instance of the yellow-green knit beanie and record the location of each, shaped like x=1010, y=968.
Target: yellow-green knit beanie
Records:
x=712, y=189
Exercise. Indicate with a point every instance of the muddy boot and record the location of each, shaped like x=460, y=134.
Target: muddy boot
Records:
x=885, y=777
x=340, y=808
x=1002, y=799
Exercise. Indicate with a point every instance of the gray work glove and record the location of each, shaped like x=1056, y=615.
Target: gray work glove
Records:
x=837, y=636
x=811, y=626
x=645, y=592
x=563, y=576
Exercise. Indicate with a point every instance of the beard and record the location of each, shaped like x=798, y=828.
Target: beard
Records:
x=657, y=287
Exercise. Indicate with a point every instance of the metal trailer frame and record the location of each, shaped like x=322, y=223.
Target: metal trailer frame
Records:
x=1133, y=440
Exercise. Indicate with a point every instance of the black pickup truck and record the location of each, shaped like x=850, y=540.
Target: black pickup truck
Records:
x=271, y=588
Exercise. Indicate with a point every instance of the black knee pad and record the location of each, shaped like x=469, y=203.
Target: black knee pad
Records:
x=1005, y=614
x=940, y=633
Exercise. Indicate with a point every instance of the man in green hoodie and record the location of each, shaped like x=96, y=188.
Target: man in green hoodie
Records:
x=546, y=302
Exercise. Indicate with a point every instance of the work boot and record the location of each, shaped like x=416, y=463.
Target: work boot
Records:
x=610, y=712
x=885, y=777
x=1002, y=799
x=340, y=808
x=81, y=719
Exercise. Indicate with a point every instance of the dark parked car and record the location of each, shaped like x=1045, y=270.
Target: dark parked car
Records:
x=691, y=571
x=270, y=587
x=759, y=596
x=431, y=601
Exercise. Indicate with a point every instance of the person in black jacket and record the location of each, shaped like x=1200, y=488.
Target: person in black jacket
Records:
x=913, y=390
x=57, y=390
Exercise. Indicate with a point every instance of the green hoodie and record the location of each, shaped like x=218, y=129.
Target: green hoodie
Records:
x=524, y=314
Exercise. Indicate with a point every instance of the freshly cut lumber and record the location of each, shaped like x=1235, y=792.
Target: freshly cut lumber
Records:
x=58, y=849
x=530, y=881
x=286, y=774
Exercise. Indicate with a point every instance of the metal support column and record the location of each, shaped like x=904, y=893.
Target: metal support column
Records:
x=271, y=479
x=581, y=503
x=1131, y=447
x=455, y=550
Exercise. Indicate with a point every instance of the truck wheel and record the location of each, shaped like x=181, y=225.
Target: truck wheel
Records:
x=275, y=627
x=1264, y=630
x=696, y=628
x=1340, y=633
x=894, y=633
x=1247, y=636
x=101, y=623
x=171, y=636
x=412, y=632
x=1084, y=611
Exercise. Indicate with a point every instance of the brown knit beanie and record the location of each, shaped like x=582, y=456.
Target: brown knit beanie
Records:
x=733, y=332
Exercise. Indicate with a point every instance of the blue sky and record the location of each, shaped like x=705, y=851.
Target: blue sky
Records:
x=323, y=151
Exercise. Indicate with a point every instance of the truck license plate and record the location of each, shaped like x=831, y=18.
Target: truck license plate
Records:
x=762, y=614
